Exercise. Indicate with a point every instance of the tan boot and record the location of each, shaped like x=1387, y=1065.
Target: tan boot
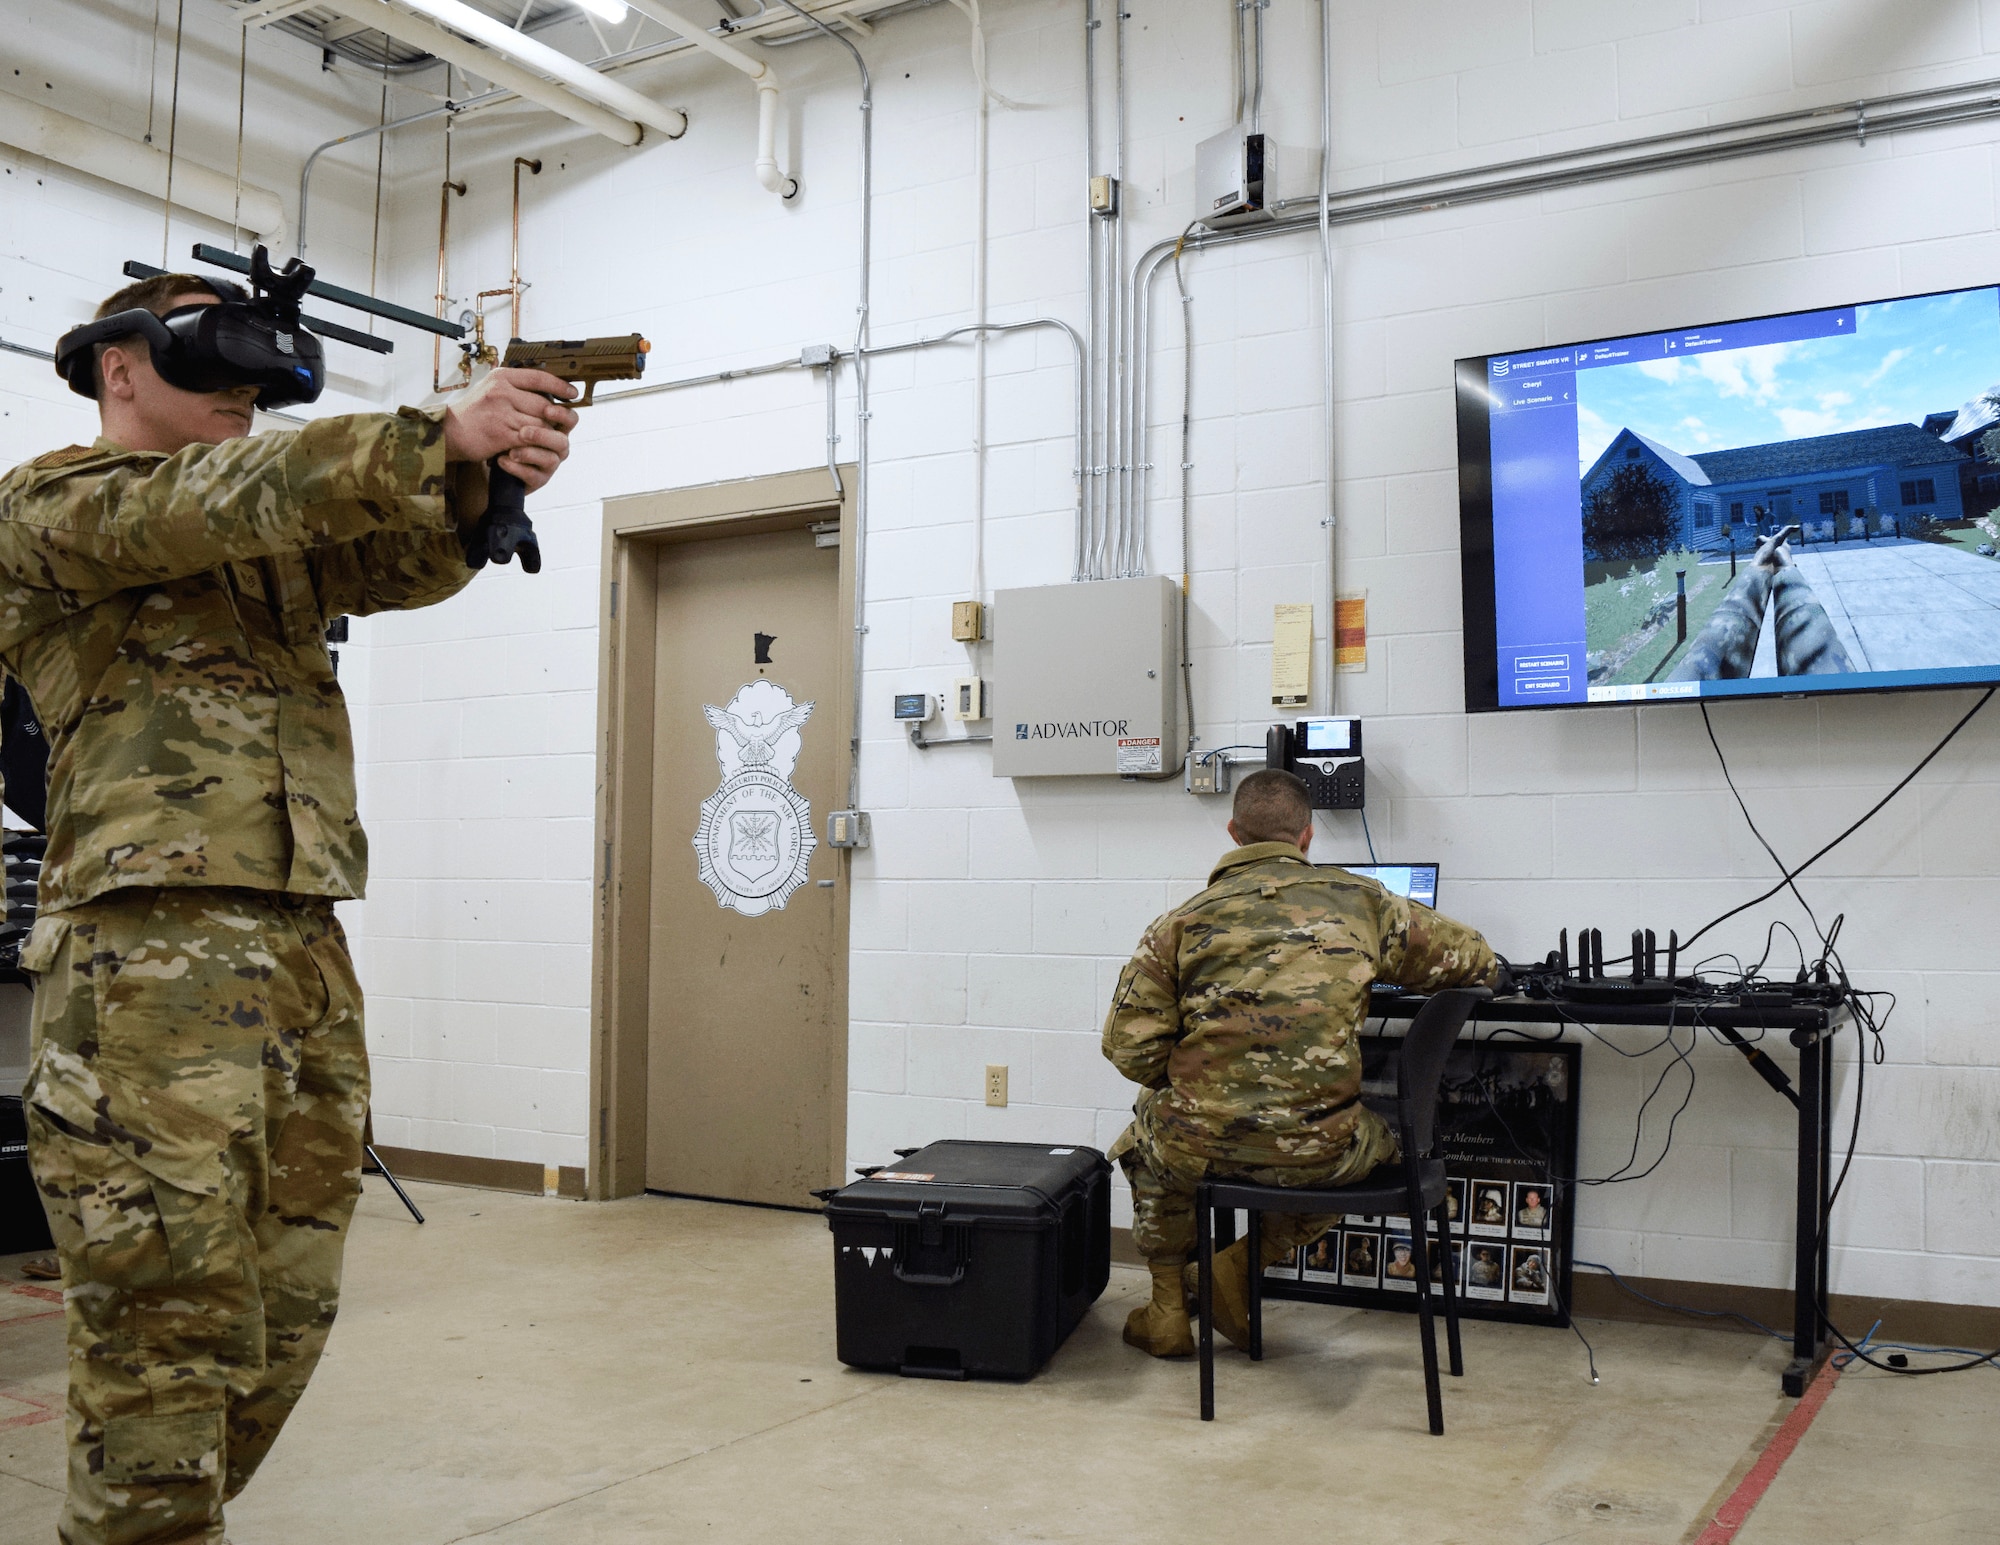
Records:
x=1232, y=1286
x=1160, y=1326
x=1232, y=1292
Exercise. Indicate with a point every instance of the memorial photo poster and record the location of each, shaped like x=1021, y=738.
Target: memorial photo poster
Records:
x=1507, y=1122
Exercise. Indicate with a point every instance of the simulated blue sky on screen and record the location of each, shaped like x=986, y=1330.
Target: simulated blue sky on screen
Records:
x=1905, y=359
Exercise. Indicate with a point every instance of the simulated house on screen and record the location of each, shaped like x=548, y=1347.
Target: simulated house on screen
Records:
x=1828, y=484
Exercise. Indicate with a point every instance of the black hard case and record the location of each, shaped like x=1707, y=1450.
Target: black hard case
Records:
x=22, y=1223
x=984, y=1267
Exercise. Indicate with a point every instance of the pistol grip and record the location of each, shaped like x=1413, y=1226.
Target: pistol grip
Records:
x=505, y=530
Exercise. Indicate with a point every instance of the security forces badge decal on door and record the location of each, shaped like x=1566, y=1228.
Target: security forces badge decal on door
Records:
x=755, y=836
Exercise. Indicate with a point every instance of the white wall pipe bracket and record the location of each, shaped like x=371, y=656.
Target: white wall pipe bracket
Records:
x=538, y=56
x=432, y=39
x=84, y=147
x=770, y=175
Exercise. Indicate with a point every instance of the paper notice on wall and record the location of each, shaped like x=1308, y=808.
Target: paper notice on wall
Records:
x=1350, y=631
x=1291, y=654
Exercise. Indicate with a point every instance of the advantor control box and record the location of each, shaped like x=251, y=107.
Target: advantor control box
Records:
x=1086, y=679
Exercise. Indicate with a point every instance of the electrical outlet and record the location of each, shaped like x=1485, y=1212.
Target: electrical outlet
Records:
x=1208, y=775
x=996, y=1083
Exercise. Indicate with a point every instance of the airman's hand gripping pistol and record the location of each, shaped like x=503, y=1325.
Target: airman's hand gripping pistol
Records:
x=505, y=530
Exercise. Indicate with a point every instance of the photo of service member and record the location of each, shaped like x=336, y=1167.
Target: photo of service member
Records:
x=1489, y=1208
x=1532, y=1210
x=1457, y=1264
x=1454, y=1202
x=1322, y=1258
x=1399, y=1269
x=1528, y=1282
x=1361, y=1261
x=1284, y=1269
x=1484, y=1271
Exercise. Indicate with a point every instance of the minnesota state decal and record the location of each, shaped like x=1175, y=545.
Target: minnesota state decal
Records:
x=755, y=836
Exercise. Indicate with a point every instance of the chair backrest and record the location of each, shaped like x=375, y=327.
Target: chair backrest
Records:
x=1420, y=1069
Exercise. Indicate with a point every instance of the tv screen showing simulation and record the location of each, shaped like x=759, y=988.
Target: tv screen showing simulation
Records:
x=1782, y=505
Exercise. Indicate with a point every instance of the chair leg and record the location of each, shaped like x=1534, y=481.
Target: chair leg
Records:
x=1450, y=1274
x=1420, y=1250
x=1253, y=1235
x=1204, y=1250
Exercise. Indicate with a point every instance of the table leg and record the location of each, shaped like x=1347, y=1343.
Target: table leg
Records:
x=1808, y=1248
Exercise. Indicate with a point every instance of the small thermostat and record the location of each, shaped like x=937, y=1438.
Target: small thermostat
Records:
x=913, y=707
x=968, y=698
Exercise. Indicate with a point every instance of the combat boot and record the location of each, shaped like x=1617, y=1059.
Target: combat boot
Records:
x=1160, y=1326
x=1232, y=1288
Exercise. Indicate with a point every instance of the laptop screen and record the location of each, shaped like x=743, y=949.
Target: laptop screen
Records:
x=1416, y=882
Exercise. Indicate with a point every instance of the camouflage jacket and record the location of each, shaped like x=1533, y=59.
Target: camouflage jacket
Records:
x=167, y=615
x=1242, y=1005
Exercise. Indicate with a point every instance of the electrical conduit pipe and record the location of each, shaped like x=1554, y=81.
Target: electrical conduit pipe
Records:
x=83, y=147
x=769, y=174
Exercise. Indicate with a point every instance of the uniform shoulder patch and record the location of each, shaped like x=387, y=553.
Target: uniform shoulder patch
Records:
x=67, y=456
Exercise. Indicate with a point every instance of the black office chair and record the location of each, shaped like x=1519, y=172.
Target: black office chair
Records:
x=1416, y=1184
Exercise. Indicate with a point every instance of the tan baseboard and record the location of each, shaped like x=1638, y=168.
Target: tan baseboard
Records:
x=461, y=1169
x=1903, y=1319
x=1599, y=1298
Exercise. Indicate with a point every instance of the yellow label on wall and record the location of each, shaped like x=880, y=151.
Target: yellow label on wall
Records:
x=1350, y=632
x=1291, y=654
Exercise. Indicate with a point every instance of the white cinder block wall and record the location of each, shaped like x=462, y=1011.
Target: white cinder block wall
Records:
x=990, y=918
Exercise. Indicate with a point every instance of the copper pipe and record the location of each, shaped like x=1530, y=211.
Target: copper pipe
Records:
x=514, y=252
x=445, y=191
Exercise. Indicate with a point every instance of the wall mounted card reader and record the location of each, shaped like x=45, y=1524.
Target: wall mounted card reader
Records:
x=1324, y=754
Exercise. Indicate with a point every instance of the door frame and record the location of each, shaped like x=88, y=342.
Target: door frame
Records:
x=635, y=528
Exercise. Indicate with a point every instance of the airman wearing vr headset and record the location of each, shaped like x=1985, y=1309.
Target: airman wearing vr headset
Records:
x=198, y=1078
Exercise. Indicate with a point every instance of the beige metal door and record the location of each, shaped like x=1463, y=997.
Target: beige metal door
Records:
x=747, y=1000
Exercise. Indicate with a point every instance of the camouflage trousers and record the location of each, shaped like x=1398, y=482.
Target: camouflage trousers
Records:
x=1163, y=1177
x=195, y=1104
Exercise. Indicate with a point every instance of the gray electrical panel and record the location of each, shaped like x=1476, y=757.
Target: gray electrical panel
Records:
x=1086, y=679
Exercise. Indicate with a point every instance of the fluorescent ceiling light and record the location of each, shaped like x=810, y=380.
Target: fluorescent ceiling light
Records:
x=613, y=11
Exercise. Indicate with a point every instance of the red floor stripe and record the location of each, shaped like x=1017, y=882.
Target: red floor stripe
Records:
x=41, y=1409
x=1734, y=1513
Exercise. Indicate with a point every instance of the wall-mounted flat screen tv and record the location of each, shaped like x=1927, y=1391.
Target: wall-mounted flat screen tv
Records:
x=1770, y=507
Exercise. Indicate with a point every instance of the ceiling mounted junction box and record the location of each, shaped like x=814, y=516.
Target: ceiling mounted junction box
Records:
x=1086, y=679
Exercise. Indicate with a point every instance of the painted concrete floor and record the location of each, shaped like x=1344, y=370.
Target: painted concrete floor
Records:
x=525, y=1371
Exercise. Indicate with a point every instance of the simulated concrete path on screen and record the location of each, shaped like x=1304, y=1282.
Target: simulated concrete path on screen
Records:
x=1903, y=605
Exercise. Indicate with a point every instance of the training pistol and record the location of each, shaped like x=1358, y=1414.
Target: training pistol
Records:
x=505, y=530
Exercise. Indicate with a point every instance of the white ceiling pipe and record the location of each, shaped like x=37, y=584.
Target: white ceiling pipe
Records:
x=418, y=33
x=83, y=147
x=769, y=173
x=575, y=74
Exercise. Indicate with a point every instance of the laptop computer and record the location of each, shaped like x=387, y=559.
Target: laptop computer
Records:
x=1414, y=882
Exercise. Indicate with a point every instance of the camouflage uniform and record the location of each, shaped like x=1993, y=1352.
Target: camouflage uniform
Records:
x=198, y=1077
x=1238, y=1017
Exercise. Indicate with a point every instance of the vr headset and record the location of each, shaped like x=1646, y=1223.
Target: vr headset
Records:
x=243, y=339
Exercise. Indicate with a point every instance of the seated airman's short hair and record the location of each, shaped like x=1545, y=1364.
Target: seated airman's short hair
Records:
x=1271, y=806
